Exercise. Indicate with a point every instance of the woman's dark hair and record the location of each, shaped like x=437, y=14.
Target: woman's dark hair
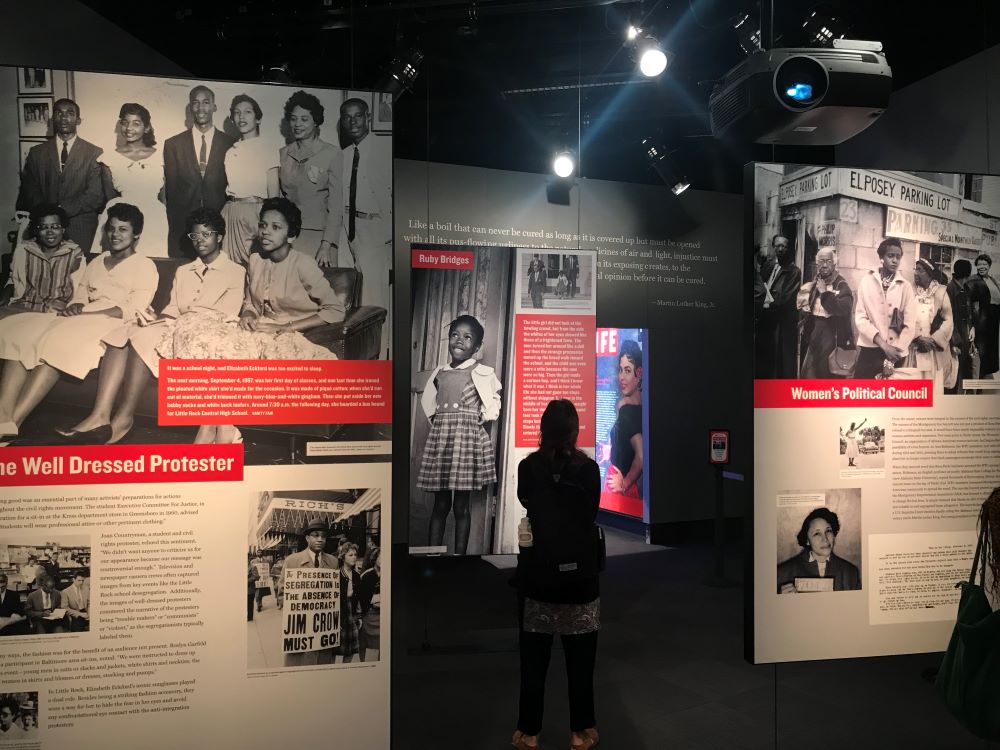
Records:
x=477, y=328
x=984, y=256
x=240, y=99
x=631, y=349
x=208, y=217
x=287, y=209
x=127, y=212
x=885, y=244
x=308, y=102
x=42, y=210
x=559, y=429
x=827, y=515
x=131, y=108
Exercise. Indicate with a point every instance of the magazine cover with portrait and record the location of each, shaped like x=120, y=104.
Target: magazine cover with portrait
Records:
x=622, y=412
x=166, y=219
x=876, y=274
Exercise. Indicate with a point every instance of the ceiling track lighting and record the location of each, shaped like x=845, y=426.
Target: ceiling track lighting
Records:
x=666, y=167
x=401, y=73
x=564, y=164
x=645, y=50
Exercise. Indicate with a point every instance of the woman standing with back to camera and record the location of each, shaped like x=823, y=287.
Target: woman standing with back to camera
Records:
x=560, y=487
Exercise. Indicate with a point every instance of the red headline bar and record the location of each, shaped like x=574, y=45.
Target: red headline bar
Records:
x=120, y=464
x=450, y=259
x=274, y=391
x=811, y=394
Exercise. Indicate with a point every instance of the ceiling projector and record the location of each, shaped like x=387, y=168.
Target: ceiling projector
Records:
x=803, y=96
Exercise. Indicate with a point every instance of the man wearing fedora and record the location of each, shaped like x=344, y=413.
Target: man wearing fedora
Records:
x=315, y=532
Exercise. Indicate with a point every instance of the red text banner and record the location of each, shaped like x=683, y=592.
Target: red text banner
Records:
x=555, y=359
x=197, y=392
x=811, y=394
x=120, y=464
x=460, y=260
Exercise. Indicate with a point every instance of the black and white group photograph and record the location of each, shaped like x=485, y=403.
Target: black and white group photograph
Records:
x=19, y=719
x=861, y=444
x=137, y=189
x=45, y=584
x=462, y=322
x=819, y=541
x=554, y=281
x=314, y=575
x=888, y=275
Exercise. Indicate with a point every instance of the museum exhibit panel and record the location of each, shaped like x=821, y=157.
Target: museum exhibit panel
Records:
x=285, y=289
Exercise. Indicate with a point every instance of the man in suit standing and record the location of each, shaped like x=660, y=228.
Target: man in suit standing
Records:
x=42, y=602
x=315, y=532
x=65, y=171
x=76, y=600
x=777, y=330
x=12, y=620
x=368, y=195
x=194, y=170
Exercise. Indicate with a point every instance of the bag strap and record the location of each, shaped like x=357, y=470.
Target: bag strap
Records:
x=980, y=552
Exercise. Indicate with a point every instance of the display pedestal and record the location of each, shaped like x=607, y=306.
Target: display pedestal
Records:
x=717, y=577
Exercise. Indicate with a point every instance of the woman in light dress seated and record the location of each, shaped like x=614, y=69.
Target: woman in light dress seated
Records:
x=210, y=286
x=114, y=290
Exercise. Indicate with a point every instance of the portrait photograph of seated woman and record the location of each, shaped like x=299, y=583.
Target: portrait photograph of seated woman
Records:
x=819, y=547
x=167, y=219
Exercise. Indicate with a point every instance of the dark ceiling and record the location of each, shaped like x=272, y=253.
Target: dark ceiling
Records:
x=468, y=105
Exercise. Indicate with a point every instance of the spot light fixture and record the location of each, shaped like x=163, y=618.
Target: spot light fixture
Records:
x=401, y=73
x=666, y=167
x=564, y=164
x=645, y=49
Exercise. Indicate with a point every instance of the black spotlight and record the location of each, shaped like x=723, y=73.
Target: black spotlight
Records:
x=277, y=71
x=401, y=73
x=747, y=28
x=665, y=166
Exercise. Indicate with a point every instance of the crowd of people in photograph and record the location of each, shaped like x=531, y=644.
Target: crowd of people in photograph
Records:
x=40, y=607
x=933, y=327
x=257, y=239
x=18, y=717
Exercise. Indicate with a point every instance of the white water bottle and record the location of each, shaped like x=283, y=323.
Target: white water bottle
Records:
x=524, y=536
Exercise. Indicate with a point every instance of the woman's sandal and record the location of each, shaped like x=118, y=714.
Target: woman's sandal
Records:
x=590, y=740
x=518, y=742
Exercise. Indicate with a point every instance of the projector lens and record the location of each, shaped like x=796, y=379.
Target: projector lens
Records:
x=800, y=82
x=800, y=92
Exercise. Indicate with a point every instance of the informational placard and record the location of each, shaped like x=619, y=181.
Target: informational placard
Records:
x=311, y=611
x=194, y=328
x=718, y=447
x=876, y=405
x=498, y=333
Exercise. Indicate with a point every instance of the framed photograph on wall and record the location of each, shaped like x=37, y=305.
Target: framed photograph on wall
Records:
x=33, y=116
x=382, y=113
x=26, y=146
x=34, y=81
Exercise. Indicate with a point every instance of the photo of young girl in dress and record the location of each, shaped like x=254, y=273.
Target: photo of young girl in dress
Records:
x=458, y=457
x=461, y=325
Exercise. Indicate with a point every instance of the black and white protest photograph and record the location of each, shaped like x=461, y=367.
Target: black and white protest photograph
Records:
x=819, y=541
x=554, y=281
x=888, y=275
x=19, y=719
x=45, y=584
x=314, y=575
x=462, y=323
x=34, y=81
x=861, y=444
x=135, y=188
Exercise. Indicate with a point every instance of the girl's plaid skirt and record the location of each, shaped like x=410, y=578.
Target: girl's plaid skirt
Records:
x=458, y=454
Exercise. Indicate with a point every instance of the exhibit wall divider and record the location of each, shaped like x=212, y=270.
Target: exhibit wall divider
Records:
x=876, y=404
x=194, y=322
